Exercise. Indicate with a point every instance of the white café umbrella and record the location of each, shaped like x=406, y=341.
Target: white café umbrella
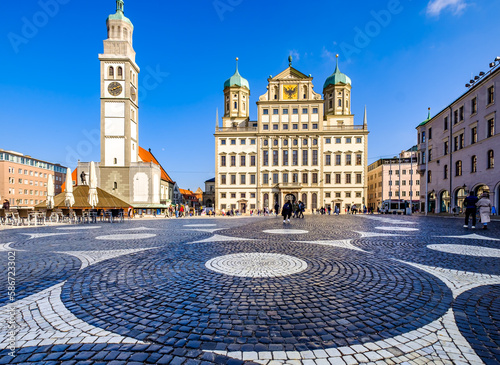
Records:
x=50, y=192
x=69, y=198
x=93, y=199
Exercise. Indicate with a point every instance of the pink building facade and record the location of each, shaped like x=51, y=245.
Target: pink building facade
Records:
x=23, y=179
x=457, y=147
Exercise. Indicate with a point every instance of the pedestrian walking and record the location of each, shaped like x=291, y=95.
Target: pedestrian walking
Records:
x=484, y=205
x=286, y=212
x=302, y=207
x=329, y=210
x=470, y=209
x=276, y=208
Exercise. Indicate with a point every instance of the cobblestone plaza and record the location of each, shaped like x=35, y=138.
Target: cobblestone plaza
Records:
x=349, y=289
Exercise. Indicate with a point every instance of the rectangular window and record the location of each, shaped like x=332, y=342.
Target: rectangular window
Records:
x=358, y=140
x=315, y=178
x=315, y=126
x=252, y=141
x=252, y=195
x=445, y=171
x=275, y=158
x=445, y=127
x=252, y=179
x=328, y=140
x=276, y=111
x=243, y=179
x=473, y=135
x=265, y=158
x=328, y=160
x=455, y=117
x=233, y=179
x=461, y=141
x=491, y=95
x=445, y=148
x=347, y=178
x=358, y=178
x=252, y=160
x=430, y=133
x=473, y=106
x=295, y=178
x=285, y=158
x=275, y=178
x=265, y=127
x=304, y=178
x=304, y=126
x=315, y=110
x=223, y=160
x=275, y=127
x=348, y=160
x=461, y=113
x=285, y=177
x=348, y=140
x=223, y=179
x=295, y=126
x=233, y=160
x=429, y=154
x=265, y=179
x=223, y=142
x=243, y=141
x=328, y=179
x=285, y=111
x=243, y=161
x=455, y=144
x=305, y=156
x=233, y=141
x=491, y=128
x=338, y=159
x=358, y=159
x=233, y=195
x=285, y=127
x=305, y=111
x=295, y=111
x=315, y=157
x=295, y=158
x=338, y=140
x=265, y=111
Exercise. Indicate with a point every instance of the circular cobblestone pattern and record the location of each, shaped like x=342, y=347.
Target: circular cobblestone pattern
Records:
x=168, y=296
x=256, y=265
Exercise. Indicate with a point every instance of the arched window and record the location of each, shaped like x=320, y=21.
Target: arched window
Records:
x=235, y=105
x=120, y=72
x=330, y=104
x=340, y=102
x=314, y=203
x=491, y=159
x=429, y=176
x=304, y=199
x=473, y=164
x=458, y=168
x=227, y=106
x=115, y=185
x=445, y=171
x=111, y=72
x=266, y=200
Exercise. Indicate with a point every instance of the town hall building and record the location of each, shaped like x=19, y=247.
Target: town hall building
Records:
x=304, y=145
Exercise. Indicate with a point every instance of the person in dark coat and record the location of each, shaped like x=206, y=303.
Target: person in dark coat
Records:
x=276, y=208
x=286, y=212
x=470, y=209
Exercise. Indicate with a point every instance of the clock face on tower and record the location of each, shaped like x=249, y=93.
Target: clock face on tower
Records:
x=133, y=93
x=115, y=88
x=290, y=92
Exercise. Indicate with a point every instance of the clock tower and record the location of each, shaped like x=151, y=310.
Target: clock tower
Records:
x=119, y=89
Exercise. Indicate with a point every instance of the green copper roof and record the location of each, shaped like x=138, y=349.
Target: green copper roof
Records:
x=119, y=15
x=337, y=77
x=237, y=80
x=427, y=120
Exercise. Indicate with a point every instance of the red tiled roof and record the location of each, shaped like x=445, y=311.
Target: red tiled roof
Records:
x=147, y=156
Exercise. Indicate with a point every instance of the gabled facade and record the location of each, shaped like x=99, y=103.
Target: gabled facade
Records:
x=302, y=146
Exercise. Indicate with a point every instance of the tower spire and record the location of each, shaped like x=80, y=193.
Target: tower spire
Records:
x=429, y=115
x=119, y=6
x=237, y=59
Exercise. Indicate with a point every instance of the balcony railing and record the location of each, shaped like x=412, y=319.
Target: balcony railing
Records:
x=344, y=127
x=236, y=129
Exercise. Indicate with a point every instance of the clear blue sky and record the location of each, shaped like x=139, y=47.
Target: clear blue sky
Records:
x=413, y=55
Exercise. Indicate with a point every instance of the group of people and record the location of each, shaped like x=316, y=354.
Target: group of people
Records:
x=472, y=203
x=296, y=208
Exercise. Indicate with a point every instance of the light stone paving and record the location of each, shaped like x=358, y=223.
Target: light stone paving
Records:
x=336, y=243
x=41, y=235
x=122, y=237
x=79, y=227
x=439, y=342
x=458, y=281
x=220, y=238
x=285, y=231
x=473, y=236
x=43, y=319
x=207, y=230
x=93, y=257
x=6, y=247
x=256, y=265
x=397, y=229
x=200, y=225
x=466, y=250
x=386, y=220
x=377, y=234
